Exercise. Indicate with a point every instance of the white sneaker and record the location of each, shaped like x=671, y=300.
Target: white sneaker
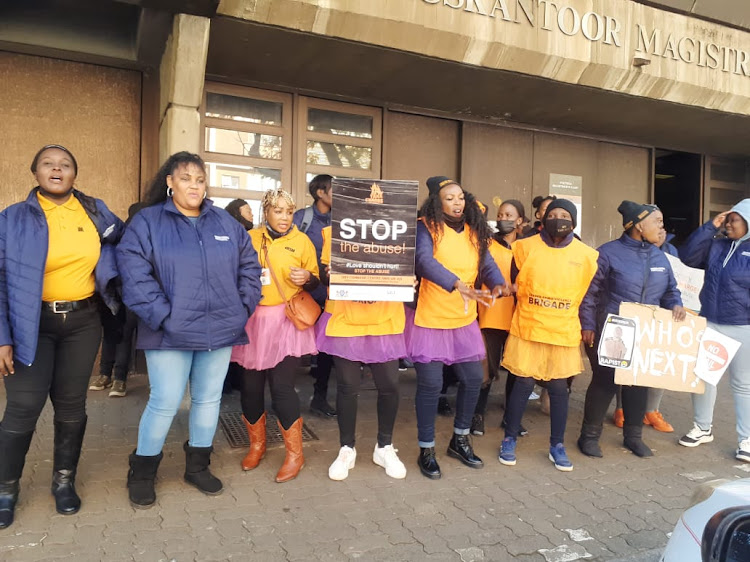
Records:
x=388, y=459
x=743, y=451
x=696, y=436
x=340, y=468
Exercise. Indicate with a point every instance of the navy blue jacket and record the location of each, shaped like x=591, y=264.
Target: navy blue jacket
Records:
x=428, y=267
x=725, y=297
x=24, y=241
x=629, y=271
x=315, y=234
x=192, y=286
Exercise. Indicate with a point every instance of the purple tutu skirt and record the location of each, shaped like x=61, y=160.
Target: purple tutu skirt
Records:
x=272, y=338
x=457, y=345
x=367, y=349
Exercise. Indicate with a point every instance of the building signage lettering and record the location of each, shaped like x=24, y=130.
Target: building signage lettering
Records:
x=550, y=15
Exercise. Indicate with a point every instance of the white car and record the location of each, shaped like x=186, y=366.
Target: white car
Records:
x=709, y=498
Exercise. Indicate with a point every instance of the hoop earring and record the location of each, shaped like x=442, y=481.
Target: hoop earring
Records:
x=170, y=192
x=205, y=194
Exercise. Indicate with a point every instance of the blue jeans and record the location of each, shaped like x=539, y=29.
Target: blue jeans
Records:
x=429, y=384
x=739, y=381
x=168, y=374
x=558, y=407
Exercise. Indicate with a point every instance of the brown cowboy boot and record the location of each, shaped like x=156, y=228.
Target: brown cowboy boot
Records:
x=294, y=460
x=257, y=433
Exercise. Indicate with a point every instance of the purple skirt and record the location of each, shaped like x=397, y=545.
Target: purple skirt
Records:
x=367, y=349
x=456, y=345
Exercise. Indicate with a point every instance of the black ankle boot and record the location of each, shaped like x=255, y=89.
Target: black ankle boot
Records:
x=68, y=441
x=460, y=448
x=8, y=499
x=633, y=440
x=444, y=407
x=197, y=473
x=428, y=464
x=588, y=442
x=13, y=449
x=141, y=477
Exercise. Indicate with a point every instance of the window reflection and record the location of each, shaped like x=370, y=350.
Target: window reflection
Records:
x=337, y=123
x=224, y=106
x=242, y=143
x=243, y=177
x=339, y=155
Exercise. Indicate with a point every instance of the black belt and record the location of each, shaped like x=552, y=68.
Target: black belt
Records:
x=63, y=307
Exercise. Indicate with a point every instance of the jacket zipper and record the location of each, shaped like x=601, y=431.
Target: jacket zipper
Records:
x=205, y=277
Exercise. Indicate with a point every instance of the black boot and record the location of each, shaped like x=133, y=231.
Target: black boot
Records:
x=68, y=441
x=428, y=463
x=460, y=448
x=633, y=440
x=444, y=407
x=588, y=442
x=197, y=473
x=13, y=449
x=320, y=406
x=141, y=478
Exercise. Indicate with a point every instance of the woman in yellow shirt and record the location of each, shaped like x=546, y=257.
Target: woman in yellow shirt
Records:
x=545, y=333
x=276, y=346
x=56, y=256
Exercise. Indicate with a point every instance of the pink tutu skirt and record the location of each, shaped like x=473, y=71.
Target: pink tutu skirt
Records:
x=457, y=345
x=272, y=338
x=367, y=349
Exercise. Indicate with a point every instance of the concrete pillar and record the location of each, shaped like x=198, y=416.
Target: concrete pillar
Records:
x=182, y=73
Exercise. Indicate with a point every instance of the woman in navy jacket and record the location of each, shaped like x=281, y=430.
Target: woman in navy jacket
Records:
x=191, y=275
x=725, y=303
x=631, y=269
x=56, y=254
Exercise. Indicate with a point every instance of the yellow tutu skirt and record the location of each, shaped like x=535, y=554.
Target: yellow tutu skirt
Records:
x=542, y=361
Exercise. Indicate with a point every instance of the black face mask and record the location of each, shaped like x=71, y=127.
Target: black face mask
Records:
x=505, y=227
x=558, y=228
x=246, y=224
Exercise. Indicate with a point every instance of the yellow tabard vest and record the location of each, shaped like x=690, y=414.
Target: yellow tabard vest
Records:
x=499, y=315
x=437, y=308
x=551, y=285
x=354, y=318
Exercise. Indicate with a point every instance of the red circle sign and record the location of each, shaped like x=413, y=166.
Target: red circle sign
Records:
x=717, y=355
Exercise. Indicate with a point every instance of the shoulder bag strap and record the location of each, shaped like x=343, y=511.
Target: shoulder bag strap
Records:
x=273, y=275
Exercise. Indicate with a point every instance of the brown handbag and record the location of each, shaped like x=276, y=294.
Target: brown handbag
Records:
x=301, y=309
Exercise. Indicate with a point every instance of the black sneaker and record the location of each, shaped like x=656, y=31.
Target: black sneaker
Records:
x=321, y=407
x=523, y=432
x=477, y=424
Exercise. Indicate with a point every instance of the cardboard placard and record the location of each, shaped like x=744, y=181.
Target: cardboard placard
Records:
x=689, y=282
x=373, y=240
x=666, y=352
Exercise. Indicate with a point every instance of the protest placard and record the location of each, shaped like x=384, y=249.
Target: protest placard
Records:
x=665, y=352
x=689, y=282
x=617, y=342
x=715, y=354
x=373, y=237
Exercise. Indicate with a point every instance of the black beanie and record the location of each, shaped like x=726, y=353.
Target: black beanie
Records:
x=436, y=183
x=633, y=213
x=563, y=204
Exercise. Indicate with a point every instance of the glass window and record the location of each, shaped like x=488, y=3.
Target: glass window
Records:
x=249, y=177
x=339, y=155
x=337, y=123
x=224, y=106
x=241, y=143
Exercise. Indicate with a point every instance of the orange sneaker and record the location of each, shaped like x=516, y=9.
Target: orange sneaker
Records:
x=657, y=421
x=619, y=418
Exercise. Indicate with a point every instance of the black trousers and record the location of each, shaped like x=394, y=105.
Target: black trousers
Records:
x=322, y=373
x=603, y=388
x=284, y=397
x=118, y=355
x=348, y=377
x=494, y=341
x=62, y=367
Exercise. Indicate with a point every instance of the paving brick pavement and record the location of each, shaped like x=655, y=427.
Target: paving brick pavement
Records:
x=617, y=508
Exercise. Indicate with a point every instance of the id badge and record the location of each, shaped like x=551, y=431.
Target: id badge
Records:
x=265, y=276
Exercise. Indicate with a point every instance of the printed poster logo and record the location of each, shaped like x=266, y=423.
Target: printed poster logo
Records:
x=376, y=195
x=717, y=355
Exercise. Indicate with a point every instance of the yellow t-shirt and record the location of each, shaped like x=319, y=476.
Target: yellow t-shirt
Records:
x=551, y=285
x=436, y=307
x=294, y=249
x=499, y=315
x=74, y=249
x=355, y=318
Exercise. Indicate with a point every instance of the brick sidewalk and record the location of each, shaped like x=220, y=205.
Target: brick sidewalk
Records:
x=606, y=509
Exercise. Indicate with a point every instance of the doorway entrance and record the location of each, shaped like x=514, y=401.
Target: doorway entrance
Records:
x=677, y=191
